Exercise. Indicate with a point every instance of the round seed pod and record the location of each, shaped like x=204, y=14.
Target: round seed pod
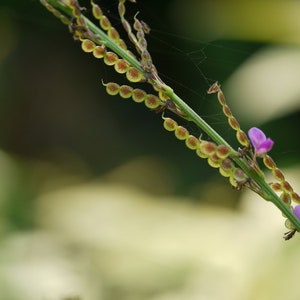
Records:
x=125, y=91
x=87, y=45
x=227, y=167
x=99, y=52
x=214, y=161
x=208, y=148
x=121, y=66
x=152, y=101
x=138, y=95
x=105, y=23
x=223, y=151
x=112, y=88
x=192, y=142
x=110, y=58
x=134, y=75
x=162, y=95
x=181, y=133
x=289, y=225
x=122, y=44
x=170, y=124
x=113, y=34
x=97, y=11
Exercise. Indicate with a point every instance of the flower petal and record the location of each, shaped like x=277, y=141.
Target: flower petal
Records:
x=297, y=211
x=256, y=136
x=265, y=147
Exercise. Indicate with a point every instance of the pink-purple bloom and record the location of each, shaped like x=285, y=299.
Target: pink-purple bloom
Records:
x=297, y=211
x=260, y=142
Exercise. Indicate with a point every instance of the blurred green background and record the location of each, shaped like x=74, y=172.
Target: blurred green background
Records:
x=98, y=201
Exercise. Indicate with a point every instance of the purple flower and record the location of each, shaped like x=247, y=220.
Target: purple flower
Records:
x=297, y=211
x=261, y=144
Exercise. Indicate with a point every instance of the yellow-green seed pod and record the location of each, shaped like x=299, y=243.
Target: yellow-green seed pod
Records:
x=227, y=167
x=105, y=23
x=223, y=151
x=278, y=175
x=227, y=112
x=125, y=91
x=181, y=133
x=99, y=52
x=152, y=101
x=269, y=162
x=97, y=12
x=134, y=75
x=289, y=225
x=192, y=142
x=162, y=95
x=200, y=153
x=87, y=45
x=138, y=95
x=233, y=181
x=208, y=148
x=170, y=124
x=214, y=161
x=122, y=44
x=110, y=58
x=112, y=88
x=233, y=123
x=242, y=138
x=121, y=66
x=113, y=34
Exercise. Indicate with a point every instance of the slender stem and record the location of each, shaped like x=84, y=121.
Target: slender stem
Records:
x=102, y=38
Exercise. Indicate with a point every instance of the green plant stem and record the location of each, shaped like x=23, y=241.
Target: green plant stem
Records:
x=102, y=38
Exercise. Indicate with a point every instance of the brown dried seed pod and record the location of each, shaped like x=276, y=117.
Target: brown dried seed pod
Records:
x=138, y=95
x=169, y=124
x=227, y=167
x=134, y=75
x=121, y=66
x=99, y=52
x=87, y=45
x=152, y=101
x=181, y=133
x=110, y=58
x=192, y=142
x=112, y=88
x=125, y=91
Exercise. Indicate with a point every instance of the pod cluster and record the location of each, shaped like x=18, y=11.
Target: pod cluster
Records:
x=218, y=156
x=138, y=95
x=234, y=124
